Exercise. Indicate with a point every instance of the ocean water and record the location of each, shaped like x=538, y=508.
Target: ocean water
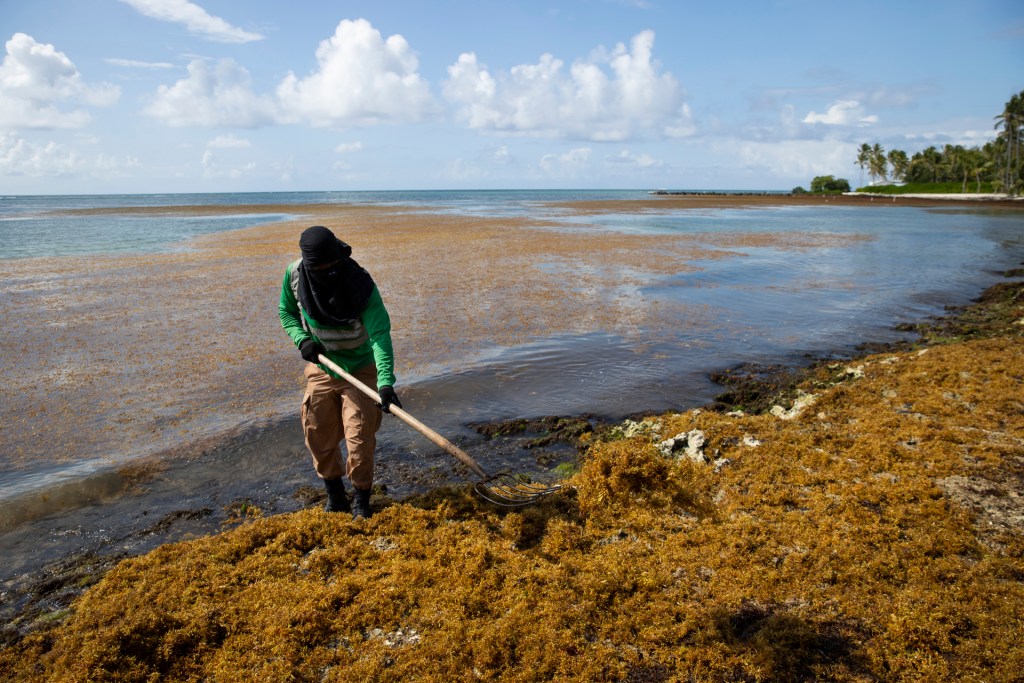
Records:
x=764, y=304
x=38, y=226
x=910, y=264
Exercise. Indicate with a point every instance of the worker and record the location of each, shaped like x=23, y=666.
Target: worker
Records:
x=330, y=305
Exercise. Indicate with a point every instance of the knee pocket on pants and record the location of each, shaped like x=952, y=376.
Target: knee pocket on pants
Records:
x=318, y=410
x=306, y=412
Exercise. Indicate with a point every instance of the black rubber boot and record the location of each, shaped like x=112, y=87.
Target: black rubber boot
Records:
x=362, y=504
x=337, y=499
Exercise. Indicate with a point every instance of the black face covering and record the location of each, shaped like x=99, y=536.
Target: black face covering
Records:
x=319, y=246
x=337, y=292
x=325, y=277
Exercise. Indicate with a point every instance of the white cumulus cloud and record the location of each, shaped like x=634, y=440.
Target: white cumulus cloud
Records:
x=612, y=96
x=36, y=81
x=842, y=113
x=18, y=157
x=213, y=95
x=196, y=19
x=361, y=78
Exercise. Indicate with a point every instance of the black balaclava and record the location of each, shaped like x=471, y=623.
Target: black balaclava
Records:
x=337, y=294
x=318, y=246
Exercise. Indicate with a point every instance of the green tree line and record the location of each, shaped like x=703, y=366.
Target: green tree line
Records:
x=994, y=167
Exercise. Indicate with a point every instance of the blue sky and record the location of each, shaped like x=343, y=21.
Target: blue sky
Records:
x=141, y=96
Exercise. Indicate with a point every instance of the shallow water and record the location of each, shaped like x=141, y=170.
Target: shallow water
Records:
x=848, y=275
x=41, y=225
x=83, y=235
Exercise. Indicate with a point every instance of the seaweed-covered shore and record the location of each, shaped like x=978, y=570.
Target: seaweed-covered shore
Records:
x=866, y=528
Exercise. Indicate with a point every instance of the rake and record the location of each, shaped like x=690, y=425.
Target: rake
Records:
x=503, y=489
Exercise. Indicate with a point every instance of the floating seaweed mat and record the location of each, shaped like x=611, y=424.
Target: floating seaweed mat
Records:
x=821, y=546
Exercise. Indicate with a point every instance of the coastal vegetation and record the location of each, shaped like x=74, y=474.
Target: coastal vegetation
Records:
x=928, y=188
x=861, y=523
x=826, y=184
x=995, y=167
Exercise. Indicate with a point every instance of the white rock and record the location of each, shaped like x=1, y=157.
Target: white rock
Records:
x=695, y=446
x=691, y=443
x=798, y=407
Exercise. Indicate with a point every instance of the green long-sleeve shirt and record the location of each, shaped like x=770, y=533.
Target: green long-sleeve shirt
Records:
x=375, y=319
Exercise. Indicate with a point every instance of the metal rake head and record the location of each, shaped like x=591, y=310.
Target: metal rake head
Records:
x=509, y=490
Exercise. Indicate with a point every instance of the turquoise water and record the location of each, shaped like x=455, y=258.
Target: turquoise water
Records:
x=28, y=236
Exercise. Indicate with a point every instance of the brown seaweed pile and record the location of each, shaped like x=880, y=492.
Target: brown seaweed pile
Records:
x=870, y=530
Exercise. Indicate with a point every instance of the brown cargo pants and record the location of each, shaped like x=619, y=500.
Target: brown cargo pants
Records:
x=332, y=410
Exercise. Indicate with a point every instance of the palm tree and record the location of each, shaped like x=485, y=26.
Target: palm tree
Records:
x=863, y=156
x=877, y=165
x=969, y=163
x=998, y=162
x=930, y=161
x=1004, y=120
x=953, y=163
x=1011, y=120
x=1017, y=107
x=900, y=163
x=978, y=164
x=992, y=168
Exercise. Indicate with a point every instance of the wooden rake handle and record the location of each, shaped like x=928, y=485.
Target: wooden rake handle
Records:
x=423, y=429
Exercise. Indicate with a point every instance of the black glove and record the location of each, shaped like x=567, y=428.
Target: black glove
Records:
x=310, y=349
x=387, y=398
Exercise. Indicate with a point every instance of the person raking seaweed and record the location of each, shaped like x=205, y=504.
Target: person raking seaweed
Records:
x=330, y=305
